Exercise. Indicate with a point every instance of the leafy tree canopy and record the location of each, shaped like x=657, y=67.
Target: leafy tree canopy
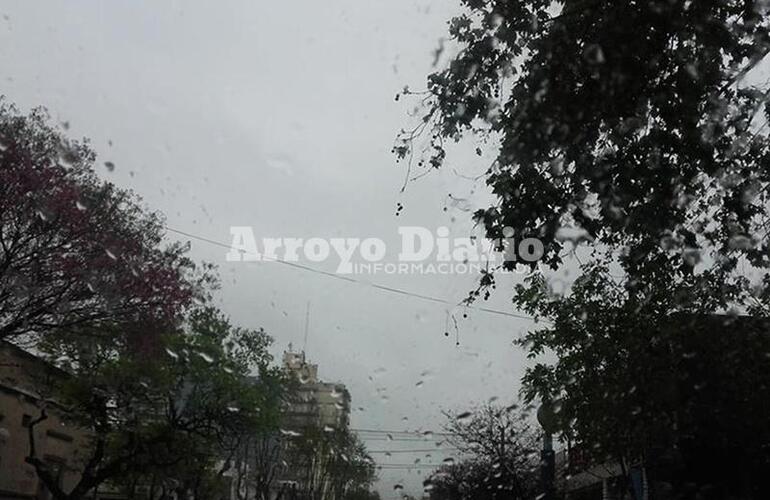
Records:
x=630, y=124
x=639, y=127
x=76, y=251
x=173, y=415
x=684, y=393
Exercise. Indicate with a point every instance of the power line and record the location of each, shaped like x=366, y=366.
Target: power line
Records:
x=426, y=450
x=411, y=433
x=359, y=282
x=394, y=440
x=402, y=439
x=408, y=466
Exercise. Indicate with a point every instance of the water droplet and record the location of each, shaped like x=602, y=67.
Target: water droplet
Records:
x=575, y=235
x=741, y=242
x=594, y=54
x=44, y=214
x=691, y=256
x=464, y=417
x=67, y=156
x=205, y=357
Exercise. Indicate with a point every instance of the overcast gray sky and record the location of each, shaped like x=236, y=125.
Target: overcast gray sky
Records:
x=281, y=116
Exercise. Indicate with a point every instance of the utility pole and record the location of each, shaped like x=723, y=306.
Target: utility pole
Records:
x=307, y=326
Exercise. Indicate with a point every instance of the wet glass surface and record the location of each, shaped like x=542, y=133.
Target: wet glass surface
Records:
x=477, y=249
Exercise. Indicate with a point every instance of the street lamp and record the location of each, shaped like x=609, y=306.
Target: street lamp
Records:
x=546, y=417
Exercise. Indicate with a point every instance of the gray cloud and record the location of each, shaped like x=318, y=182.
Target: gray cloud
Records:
x=280, y=116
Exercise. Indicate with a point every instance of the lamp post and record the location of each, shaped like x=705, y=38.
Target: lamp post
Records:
x=547, y=420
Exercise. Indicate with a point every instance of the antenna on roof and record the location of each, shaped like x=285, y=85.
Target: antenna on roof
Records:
x=307, y=326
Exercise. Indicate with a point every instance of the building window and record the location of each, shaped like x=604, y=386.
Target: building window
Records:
x=59, y=435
